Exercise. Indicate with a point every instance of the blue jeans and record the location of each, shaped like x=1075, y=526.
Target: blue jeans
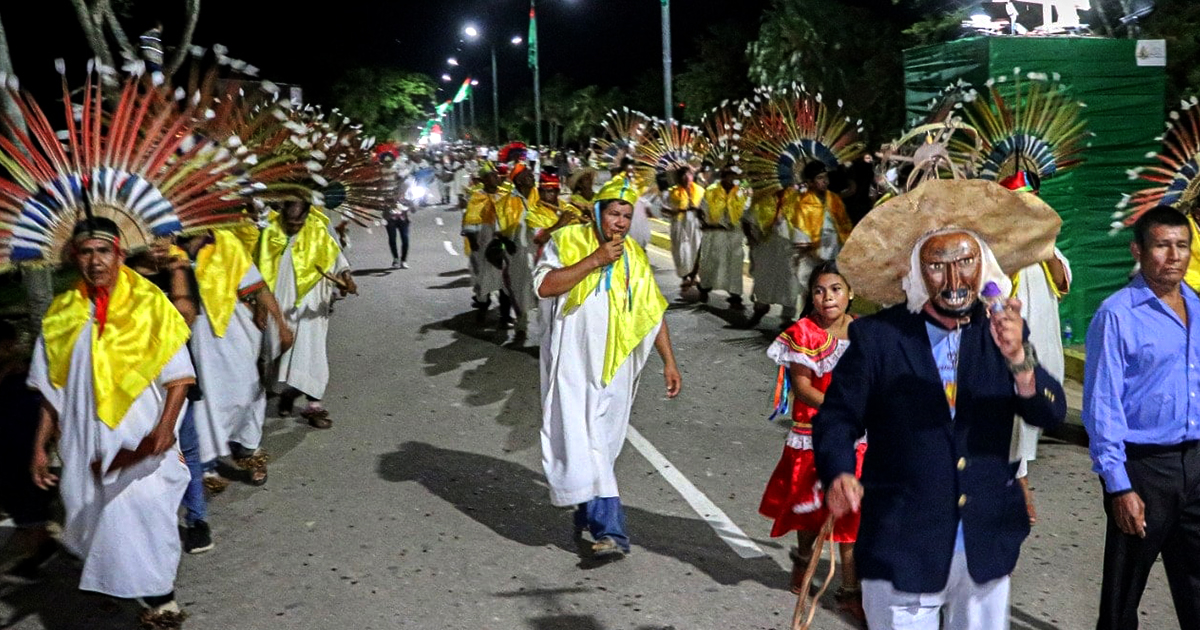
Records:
x=604, y=518
x=194, y=505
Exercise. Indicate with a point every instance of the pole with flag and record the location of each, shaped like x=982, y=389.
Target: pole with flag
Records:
x=537, y=80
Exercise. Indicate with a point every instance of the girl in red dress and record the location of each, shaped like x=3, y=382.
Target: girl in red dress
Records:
x=794, y=500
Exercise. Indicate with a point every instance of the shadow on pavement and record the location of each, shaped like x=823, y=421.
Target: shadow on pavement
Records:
x=461, y=283
x=454, y=273
x=511, y=500
x=57, y=603
x=504, y=375
x=378, y=272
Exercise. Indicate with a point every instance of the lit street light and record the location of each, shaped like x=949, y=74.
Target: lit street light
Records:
x=446, y=77
x=452, y=61
x=473, y=33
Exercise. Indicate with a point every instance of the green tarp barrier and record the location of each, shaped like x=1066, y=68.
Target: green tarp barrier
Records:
x=1125, y=111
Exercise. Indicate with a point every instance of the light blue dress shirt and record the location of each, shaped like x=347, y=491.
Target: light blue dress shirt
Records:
x=1141, y=379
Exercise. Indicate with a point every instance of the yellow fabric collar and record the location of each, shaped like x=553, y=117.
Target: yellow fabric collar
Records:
x=514, y=206
x=721, y=202
x=632, y=314
x=142, y=333
x=314, y=251
x=220, y=267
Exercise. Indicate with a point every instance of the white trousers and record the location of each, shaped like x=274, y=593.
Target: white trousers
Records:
x=964, y=604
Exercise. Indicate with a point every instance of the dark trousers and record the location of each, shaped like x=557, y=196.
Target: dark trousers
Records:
x=1168, y=482
x=27, y=504
x=401, y=227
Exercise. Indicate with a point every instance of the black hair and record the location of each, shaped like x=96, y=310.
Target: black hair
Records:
x=825, y=268
x=812, y=169
x=1158, y=215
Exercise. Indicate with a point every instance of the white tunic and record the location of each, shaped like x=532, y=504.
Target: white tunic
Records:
x=234, y=405
x=125, y=526
x=771, y=265
x=685, y=242
x=583, y=422
x=520, y=268
x=1039, y=308
x=305, y=365
x=722, y=253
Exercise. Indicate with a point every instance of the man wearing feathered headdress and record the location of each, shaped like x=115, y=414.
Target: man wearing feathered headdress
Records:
x=1039, y=287
x=768, y=229
x=112, y=366
x=683, y=206
x=302, y=264
x=602, y=313
x=235, y=308
x=936, y=380
x=721, y=257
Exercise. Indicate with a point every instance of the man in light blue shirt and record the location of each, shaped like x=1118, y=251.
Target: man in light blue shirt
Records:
x=1142, y=413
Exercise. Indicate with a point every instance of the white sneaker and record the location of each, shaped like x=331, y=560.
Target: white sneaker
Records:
x=404, y=265
x=396, y=263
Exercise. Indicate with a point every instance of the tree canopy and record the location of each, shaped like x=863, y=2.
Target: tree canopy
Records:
x=384, y=99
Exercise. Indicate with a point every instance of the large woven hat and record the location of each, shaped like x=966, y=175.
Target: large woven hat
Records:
x=1019, y=228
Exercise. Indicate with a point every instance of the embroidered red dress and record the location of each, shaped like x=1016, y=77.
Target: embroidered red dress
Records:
x=794, y=498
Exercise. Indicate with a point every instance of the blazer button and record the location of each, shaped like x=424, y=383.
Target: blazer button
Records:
x=962, y=500
x=962, y=463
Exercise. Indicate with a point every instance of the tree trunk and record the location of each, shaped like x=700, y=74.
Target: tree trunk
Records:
x=38, y=281
x=110, y=18
x=185, y=40
x=93, y=31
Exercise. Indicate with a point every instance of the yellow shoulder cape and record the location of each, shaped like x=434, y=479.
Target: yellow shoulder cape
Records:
x=810, y=214
x=142, y=333
x=634, y=309
x=313, y=252
x=220, y=268
x=721, y=202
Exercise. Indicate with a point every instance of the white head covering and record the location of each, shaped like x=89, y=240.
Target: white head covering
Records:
x=914, y=282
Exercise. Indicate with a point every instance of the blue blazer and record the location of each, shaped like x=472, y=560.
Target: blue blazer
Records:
x=925, y=471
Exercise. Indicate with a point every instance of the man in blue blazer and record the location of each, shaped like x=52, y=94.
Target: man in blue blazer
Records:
x=936, y=383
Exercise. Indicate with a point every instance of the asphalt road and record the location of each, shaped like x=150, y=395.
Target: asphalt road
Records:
x=425, y=505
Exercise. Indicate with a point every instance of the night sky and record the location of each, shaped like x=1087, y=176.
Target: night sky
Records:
x=604, y=42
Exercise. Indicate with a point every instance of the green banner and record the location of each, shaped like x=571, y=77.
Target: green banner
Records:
x=533, y=40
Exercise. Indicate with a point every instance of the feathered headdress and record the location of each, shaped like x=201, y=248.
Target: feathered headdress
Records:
x=924, y=151
x=671, y=146
x=1176, y=178
x=625, y=131
x=130, y=163
x=789, y=128
x=1027, y=123
x=723, y=128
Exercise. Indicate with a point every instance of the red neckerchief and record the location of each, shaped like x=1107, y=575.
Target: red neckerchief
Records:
x=99, y=296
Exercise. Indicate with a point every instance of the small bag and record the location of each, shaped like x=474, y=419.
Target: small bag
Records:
x=499, y=250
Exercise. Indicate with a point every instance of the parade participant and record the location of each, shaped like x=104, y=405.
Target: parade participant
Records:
x=582, y=184
x=235, y=308
x=479, y=227
x=649, y=206
x=397, y=224
x=1143, y=424
x=770, y=236
x=112, y=366
x=565, y=214
x=302, y=264
x=936, y=382
x=683, y=206
x=806, y=353
x=519, y=216
x=603, y=314
x=721, y=256
x=821, y=220
x=1039, y=287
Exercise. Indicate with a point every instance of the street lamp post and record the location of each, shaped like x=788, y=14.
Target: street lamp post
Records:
x=666, y=46
x=495, y=100
x=537, y=79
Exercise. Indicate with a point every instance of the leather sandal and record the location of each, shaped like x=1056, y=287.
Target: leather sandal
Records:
x=317, y=418
x=255, y=466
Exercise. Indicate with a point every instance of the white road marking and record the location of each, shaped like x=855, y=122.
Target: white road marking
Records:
x=449, y=248
x=439, y=221
x=733, y=535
